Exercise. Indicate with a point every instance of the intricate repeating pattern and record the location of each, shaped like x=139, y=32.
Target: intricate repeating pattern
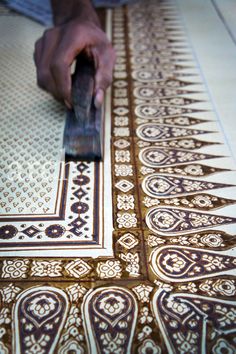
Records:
x=110, y=316
x=193, y=323
x=47, y=204
x=37, y=312
x=166, y=282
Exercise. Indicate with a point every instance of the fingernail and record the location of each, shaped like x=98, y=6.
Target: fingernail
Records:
x=68, y=105
x=99, y=98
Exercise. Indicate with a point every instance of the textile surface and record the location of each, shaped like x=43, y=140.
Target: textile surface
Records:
x=135, y=254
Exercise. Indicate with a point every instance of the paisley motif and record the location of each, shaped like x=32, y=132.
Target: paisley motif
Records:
x=110, y=315
x=39, y=314
x=169, y=221
x=154, y=132
x=178, y=264
x=152, y=111
x=166, y=186
x=195, y=324
x=159, y=157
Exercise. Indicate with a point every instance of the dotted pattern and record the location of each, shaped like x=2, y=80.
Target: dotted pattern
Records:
x=31, y=125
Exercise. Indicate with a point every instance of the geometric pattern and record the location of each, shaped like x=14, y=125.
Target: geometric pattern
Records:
x=46, y=202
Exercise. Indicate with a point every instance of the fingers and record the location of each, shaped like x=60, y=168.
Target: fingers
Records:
x=61, y=72
x=105, y=59
x=99, y=98
x=56, y=51
x=44, y=49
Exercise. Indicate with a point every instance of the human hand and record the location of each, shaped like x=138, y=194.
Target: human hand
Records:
x=56, y=50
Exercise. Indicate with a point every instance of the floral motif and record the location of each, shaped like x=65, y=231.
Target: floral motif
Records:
x=5, y=317
x=122, y=156
x=143, y=292
x=177, y=306
x=125, y=202
x=73, y=318
x=76, y=292
x=190, y=287
x=186, y=343
x=146, y=170
x=194, y=170
x=124, y=131
x=41, y=306
x=113, y=344
x=154, y=240
x=120, y=101
x=7, y=232
x=109, y=269
x=46, y=268
x=202, y=201
x=9, y=293
x=162, y=285
x=126, y=220
x=213, y=262
x=228, y=315
x=73, y=332
x=121, y=121
x=133, y=266
x=146, y=331
x=164, y=219
x=15, y=268
x=121, y=92
x=36, y=346
x=174, y=263
x=112, y=304
x=54, y=231
x=206, y=287
x=123, y=170
x=145, y=316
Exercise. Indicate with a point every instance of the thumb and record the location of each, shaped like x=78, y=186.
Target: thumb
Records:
x=103, y=78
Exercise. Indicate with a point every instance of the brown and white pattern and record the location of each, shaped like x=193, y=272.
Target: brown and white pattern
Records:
x=165, y=282
x=49, y=205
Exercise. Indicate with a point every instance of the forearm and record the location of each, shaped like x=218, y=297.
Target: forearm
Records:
x=66, y=10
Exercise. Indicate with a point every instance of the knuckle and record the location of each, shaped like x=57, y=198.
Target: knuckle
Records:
x=56, y=65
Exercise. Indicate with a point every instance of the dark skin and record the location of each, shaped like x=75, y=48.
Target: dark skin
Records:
x=76, y=29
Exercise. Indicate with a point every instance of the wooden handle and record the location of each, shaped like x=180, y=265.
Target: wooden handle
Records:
x=83, y=88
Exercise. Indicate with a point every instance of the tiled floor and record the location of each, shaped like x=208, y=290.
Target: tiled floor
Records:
x=136, y=254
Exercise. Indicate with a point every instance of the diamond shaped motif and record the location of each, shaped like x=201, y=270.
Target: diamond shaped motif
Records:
x=124, y=186
x=79, y=193
x=122, y=143
x=128, y=241
x=81, y=167
x=31, y=231
x=77, y=268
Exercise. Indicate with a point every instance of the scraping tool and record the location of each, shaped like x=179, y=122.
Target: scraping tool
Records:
x=83, y=134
